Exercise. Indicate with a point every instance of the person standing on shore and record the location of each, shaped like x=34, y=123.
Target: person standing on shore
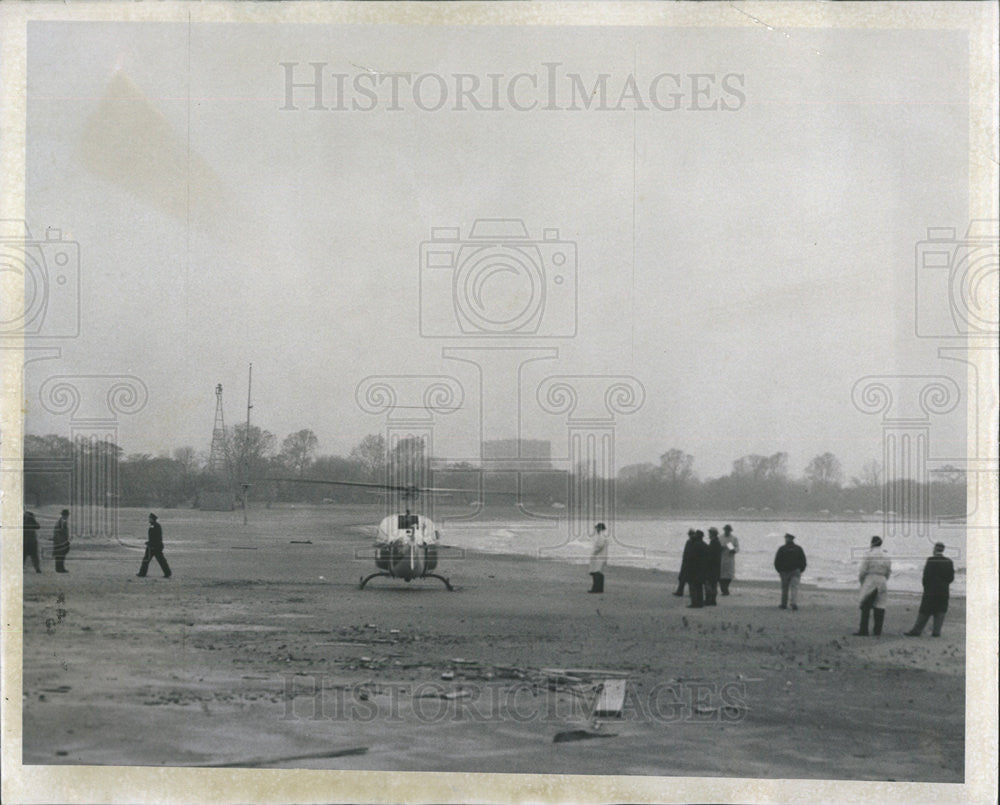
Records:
x=681, y=577
x=31, y=527
x=790, y=562
x=598, y=558
x=727, y=568
x=60, y=541
x=873, y=576
x=154, y=548
x=939, y=573
x=695, y=564
x=714, y=567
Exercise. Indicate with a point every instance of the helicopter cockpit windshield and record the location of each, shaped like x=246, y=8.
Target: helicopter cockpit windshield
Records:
x=406, y=527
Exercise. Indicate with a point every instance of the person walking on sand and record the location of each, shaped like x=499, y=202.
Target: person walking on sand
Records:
x=695, y=563
x=154, y=549
x=790, y=562
x=873, y=576
x=31, y=527
x=939, y=573
x=598, y=558
x=681, y=577
x=60, y=541
x=727, y=568
x=713, y=568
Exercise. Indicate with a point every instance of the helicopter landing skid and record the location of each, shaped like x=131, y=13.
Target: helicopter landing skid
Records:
x=442, y=579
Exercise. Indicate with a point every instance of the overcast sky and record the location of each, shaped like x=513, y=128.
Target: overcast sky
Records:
x=746, y=265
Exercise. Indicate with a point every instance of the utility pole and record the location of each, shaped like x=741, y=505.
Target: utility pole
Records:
x=245, y=485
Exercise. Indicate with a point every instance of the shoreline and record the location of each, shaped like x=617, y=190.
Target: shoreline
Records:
x=186, y=524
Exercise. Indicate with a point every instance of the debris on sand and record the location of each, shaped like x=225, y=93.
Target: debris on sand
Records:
x=449, y=695
x=611, y=698
x=580, y=735
x=256, y=762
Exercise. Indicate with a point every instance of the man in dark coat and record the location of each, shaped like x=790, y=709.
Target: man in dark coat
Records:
x=681, y=577
x=790, y=562
x=154, y=548
x=713, y=567
x=695, y=565
x=31, y=527
x=60, y=541
x=939, y=573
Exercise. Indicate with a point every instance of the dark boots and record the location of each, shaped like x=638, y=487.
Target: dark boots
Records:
x=598, y=584
x=879, y=620
x=863, y=628
x=697, y=589
x=918, y=627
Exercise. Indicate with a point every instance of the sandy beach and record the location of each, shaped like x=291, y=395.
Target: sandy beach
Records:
x=264, y=652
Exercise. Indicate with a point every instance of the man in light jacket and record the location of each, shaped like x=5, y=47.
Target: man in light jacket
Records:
x=873, y=576
x=727, y=569
x=598, y=558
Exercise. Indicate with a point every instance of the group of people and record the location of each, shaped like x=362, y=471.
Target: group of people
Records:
x=60, y=544
x=707, y=568
x=873, y=578
x=60, y=541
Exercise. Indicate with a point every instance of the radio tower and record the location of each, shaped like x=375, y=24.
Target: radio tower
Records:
x=217, y=463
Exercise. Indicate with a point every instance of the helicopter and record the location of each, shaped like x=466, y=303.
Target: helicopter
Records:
x=406, y=545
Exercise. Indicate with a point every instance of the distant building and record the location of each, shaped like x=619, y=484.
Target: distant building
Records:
x=517, y=454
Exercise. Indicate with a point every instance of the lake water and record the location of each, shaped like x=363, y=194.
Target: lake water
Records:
x=833, y=549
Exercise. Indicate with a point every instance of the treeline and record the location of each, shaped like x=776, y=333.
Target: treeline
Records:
x=755, y=484
x=763, y=484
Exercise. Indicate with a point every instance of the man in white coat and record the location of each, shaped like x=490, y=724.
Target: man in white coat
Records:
x=598, y=558
x=727, y=568
x=873, y=576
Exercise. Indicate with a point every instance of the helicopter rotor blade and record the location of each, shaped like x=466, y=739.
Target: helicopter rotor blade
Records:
x=393, y=487
x=324, y=482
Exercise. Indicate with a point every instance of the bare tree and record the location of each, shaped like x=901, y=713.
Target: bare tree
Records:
x=676, y=466
x=760, y=467
x=297, y=450
x=371, y=455
x=824, y=470
x=187, y=458
x=250, y=450
x=871, y=473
